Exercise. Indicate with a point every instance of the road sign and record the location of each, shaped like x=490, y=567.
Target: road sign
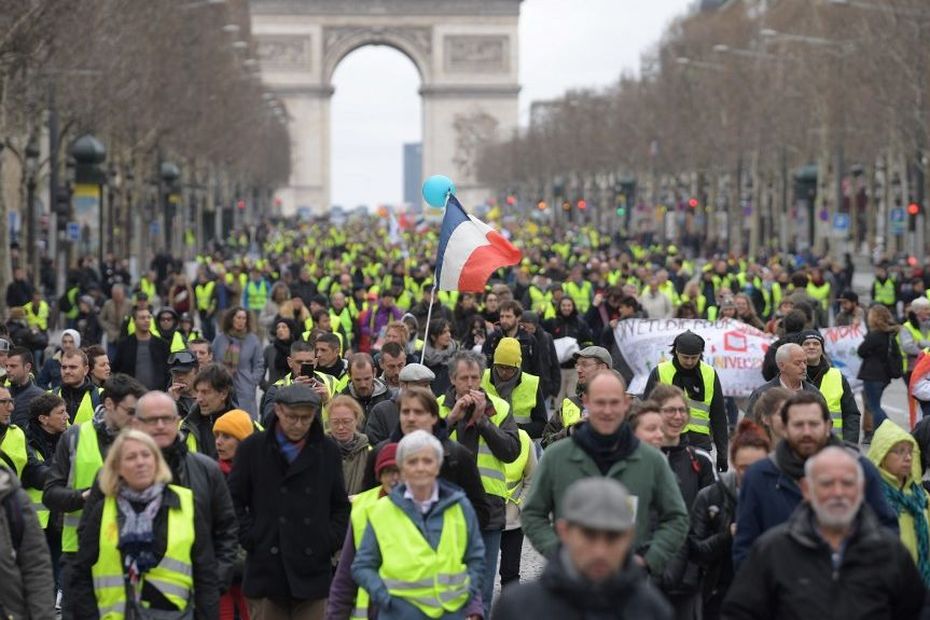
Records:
x=74, y=231
x=840, y=222
x=898, y=217
x=154, y=228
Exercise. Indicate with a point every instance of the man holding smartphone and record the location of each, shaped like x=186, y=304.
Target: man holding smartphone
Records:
x=302, y=362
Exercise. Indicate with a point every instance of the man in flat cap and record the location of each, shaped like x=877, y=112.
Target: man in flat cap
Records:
x=593, y=572
x=384, y=416
x=701, y=385
x=293, y=511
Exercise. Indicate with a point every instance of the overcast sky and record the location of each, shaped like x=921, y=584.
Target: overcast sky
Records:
x=563, y=44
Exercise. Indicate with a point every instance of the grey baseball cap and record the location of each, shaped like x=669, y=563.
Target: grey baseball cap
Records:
x=416, y=372
x=599, y=504
x=597, y=353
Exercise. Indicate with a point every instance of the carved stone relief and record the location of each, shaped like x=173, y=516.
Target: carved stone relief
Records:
x=476, y=53
x=284, y=51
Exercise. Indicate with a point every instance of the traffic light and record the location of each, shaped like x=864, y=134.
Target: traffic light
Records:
x=693, y=203
x=240, y=204
x=62, y=206
x=582, y=204
x=913, y=209
x=511, y=200
x=621, y=211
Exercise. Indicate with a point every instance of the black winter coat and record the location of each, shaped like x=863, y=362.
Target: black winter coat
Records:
x=710, y=540
x=557, y=594
x=570, y=326
x=292, y=516
x=789, y=575
x=206, y=586
x=874, y=350
x=126, y=360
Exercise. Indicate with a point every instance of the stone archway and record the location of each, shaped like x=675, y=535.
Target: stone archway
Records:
x=466, y=52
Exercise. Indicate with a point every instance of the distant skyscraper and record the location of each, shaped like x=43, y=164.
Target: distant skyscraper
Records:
x=413, y=175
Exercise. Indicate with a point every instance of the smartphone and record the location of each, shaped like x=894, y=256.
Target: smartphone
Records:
x=306, y=370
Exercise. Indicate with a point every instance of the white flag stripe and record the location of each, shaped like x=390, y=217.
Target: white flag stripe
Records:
x=465, y=239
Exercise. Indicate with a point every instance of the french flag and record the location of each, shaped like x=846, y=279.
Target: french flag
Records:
x=469, y=251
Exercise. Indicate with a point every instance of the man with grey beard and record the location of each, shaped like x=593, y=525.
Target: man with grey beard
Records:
x=831, y=559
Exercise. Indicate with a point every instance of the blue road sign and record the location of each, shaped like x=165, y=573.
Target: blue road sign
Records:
x=74, y=231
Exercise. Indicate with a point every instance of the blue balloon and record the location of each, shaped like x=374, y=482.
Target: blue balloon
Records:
x=436, y=189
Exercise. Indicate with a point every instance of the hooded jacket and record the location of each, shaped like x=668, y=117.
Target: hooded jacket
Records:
x=885, y=438
x=379, y=392
x=27, y=588
x=560, y=592
x=790, y=575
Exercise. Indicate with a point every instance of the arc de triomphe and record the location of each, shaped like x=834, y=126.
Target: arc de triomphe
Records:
x=466, y=52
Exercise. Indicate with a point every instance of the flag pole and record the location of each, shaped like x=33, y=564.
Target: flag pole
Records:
x=432, y=295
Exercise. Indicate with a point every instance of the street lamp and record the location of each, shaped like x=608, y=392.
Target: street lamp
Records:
x=846, y=47
x=168, y=174
x=231, y=28
x=720, y=48
x=240, y=45
x=32, y=242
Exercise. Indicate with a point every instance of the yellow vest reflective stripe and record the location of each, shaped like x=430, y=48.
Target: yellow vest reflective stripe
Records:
x=39, y=318
x=204, y=294
x=513, y=472
x=85, y=411
x=361, y=505
x=490, y=467
x=256, y=294
x=580, y=293
x=86, y=461
x=435, y=581
x=885, y=292
x=523, y=398
x=571, y=413
x=700, y=410
x=831, y=386
x=820, y=293
x=14, y=449
x=173, y=576
x=35, y=497
x=72, y=296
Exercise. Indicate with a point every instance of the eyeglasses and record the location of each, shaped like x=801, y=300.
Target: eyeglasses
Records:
x=341, y=423
x=6, y=402
x=902, y=451
x=674, y=410
x=304, y=420
x=160, y=420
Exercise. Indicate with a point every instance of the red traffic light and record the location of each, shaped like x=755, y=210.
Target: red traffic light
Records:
x=582, y=204
x=913, y=208
x=693, y=203
x=511, y=200
x=240, y=204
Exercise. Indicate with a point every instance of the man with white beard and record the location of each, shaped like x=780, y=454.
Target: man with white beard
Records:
x=831, y=559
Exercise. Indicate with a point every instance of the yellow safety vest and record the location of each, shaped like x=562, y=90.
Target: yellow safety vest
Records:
x=86, y=461
x=72, y=296
x=523, y=397
x=14, y=449
x=361, y=506
x=700, y=410
x=513, y=472
x=917, y=335
x=37, y=319
x=35, y=497
x=204, y=293
x=89, y=402
x=490, y=467
x=571, y=413
x=448, y=298
x=173, y=576
x=256, y=294
x=831, y=386
x=435, y=581
x=580, y=293
x=820, y=293
x=885, y=292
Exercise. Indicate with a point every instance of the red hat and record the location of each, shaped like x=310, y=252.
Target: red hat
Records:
x=386, y=458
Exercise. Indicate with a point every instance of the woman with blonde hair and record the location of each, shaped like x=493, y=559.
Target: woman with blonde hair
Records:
x=881, y=361
x=345, y=418
x=139, y=554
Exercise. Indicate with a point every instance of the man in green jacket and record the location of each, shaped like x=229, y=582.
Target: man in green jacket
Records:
x=604, y=446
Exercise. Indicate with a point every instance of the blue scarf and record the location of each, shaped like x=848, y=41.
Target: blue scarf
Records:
x=914, y=502
x=137, y=534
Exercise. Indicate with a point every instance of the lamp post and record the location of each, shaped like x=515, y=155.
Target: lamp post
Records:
x=89, y=153
x=168, y=174
x=32, y=237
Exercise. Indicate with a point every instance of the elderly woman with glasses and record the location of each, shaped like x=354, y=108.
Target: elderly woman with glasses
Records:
x=897, y=457
x=421, y=554
x=138, y=547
